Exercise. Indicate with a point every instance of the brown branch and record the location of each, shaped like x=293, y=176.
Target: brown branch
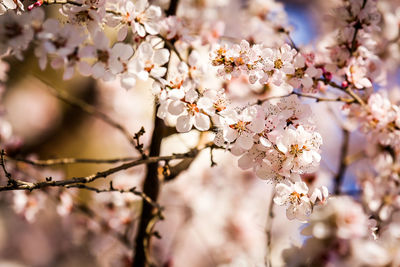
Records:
x=268, y=231
x=3, y=165
x=176, y=170
x=65, y=161
x=317, y=98
x=23, y=185
x=292, y=43
x=173, y=8
x=357, y=27
x=331, y=83
x=63, y=2
x=343, y=162
x=355, y=96
x=347, y=90
x=151, y=188
x=151, y=185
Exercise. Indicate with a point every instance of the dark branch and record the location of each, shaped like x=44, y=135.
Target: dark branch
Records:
x=343, y=162
x=65, y=161
x=23, y=185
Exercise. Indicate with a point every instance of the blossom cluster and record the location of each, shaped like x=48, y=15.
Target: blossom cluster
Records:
x=342, y=235
x=82, y=43
x=299, y=199
x=278, y=141
x=7, y=138
x=267, y=65
x=10, y=4
x=380, y=121
x=353, y=55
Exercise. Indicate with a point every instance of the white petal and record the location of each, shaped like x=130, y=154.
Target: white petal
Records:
x=245, y=162
x=184, y=124
x=265, y=142
x=122, y=51
x=202, y=122
x=307, y=82
x=245, y=141
x=158, y=71
x=230, y=135
x=122, y=33
x=84, y=68
x=98, y=70
x=161, y=56
x=128, y=81
x=146, y=50
x=191, y=96
x=152, y=27
x=193, y=58
x=176, y=107
x=68, y=73
x=101, y=41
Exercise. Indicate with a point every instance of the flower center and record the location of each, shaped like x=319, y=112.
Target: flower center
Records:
x=149, y=66
x=295, y=197
x=278, y=63
x=103, y=56
x=299, y=73
x=240, y=126
x=192, y=108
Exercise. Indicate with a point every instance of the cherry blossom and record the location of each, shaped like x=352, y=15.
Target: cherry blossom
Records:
x=110, y=59
x=16, y=33
x=141, y=17
x=296, y=197
x=10, y=4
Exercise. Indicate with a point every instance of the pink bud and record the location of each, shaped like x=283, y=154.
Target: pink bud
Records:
x=36, y=4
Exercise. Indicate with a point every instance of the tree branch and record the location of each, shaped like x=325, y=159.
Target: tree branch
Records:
x=268, y=231
x=151, y=184
x=65, y=161
x=317, y=98
x=23, y=185
x=112, y=189
x=343, y=162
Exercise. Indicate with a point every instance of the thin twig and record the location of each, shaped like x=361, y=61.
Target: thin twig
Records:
x=3, y=165
x=89, y=109
x=355, y=96
x=65, y=161
x=331, y=83
x=317, y=98
x=23, y=185
x=112, y=189
x=357, y=27
x=171, y=46
x=292, y=43
x=347, y=90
